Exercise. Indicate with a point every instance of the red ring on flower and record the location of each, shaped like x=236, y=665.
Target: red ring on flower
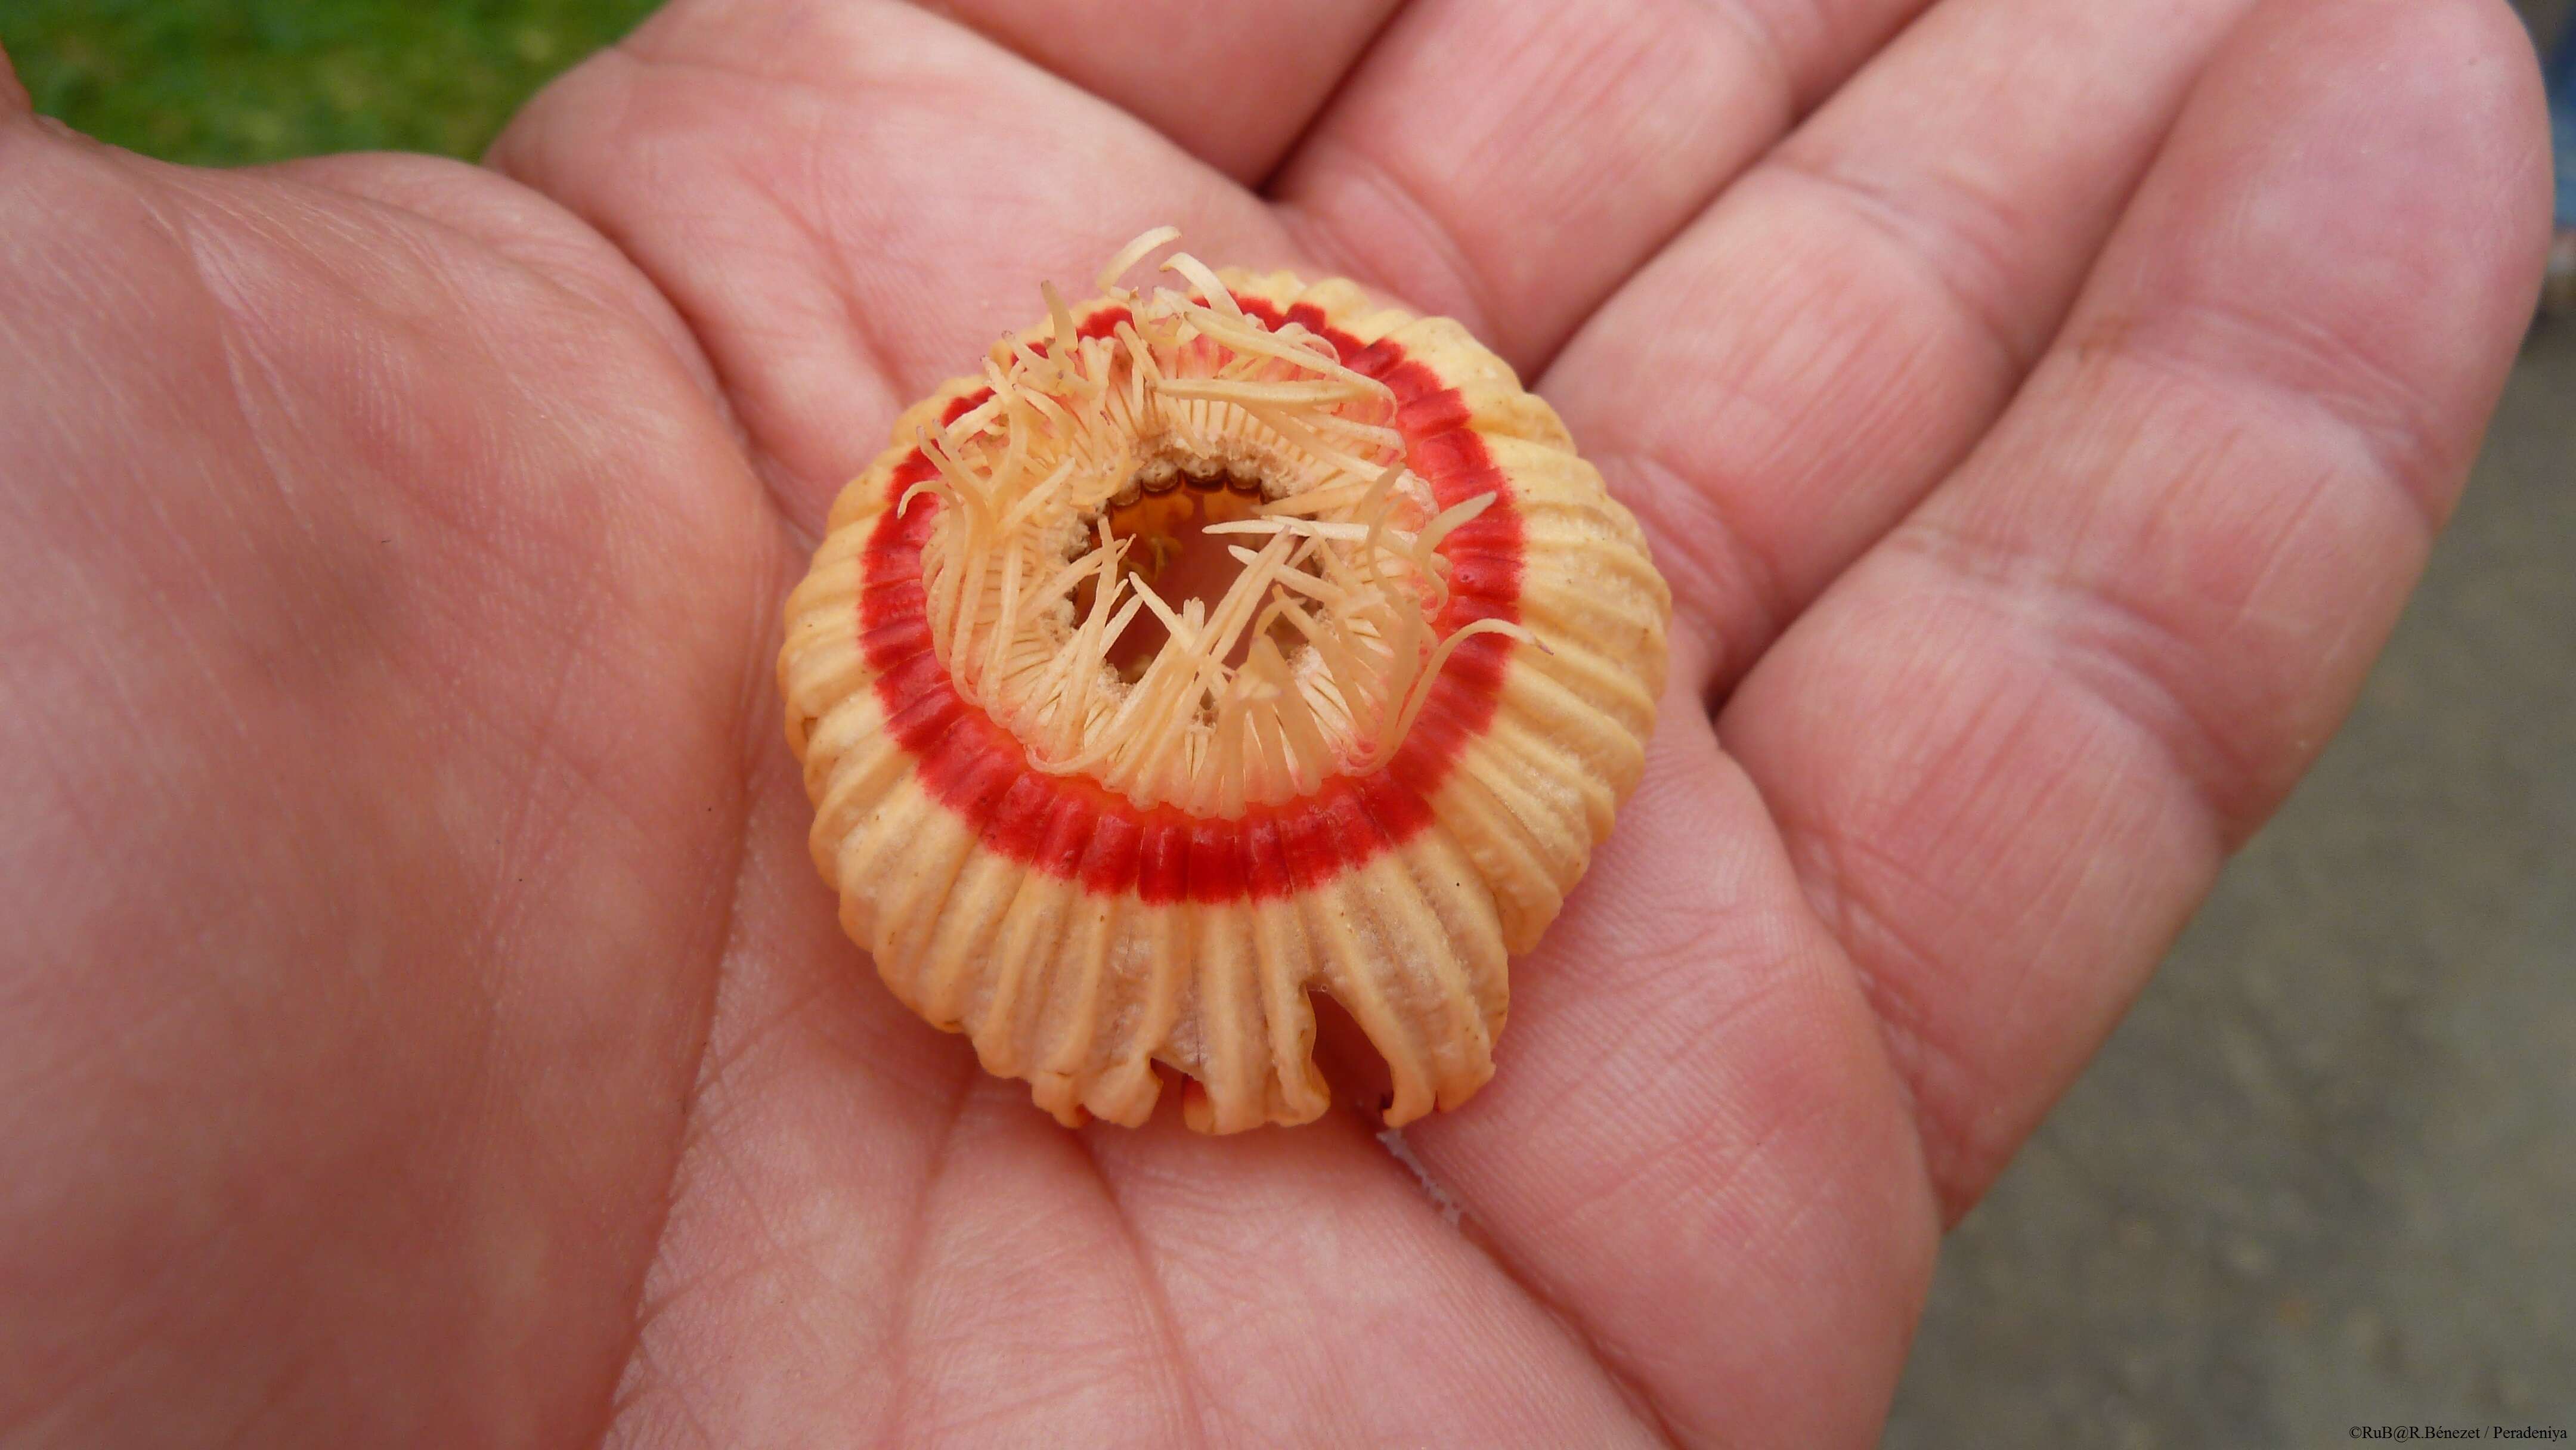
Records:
x=1069, y=826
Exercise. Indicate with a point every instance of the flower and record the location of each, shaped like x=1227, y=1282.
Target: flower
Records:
x=1211, y=647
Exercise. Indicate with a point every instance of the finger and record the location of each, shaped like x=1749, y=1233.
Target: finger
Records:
x=2010, y=749
x=1862, y=304
x=1234, y=85
x=1508, y=163
x=1695, y=1147
x=14, y=101
x=849, y=202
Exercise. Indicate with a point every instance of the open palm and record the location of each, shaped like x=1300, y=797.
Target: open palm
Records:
x=419, y=1019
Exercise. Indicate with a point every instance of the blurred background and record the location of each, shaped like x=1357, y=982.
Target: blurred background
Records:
x=222, y=82
x=2325, y=1175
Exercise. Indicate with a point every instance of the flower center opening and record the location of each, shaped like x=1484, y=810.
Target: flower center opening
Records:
x=1172, y=552
x=1185, y=555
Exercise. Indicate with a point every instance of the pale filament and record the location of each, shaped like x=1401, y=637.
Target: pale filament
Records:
x=1315, y=660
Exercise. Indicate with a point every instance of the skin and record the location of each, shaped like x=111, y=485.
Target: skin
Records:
x=420, y=1022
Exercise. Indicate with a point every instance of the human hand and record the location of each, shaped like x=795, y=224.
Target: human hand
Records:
x=423, y=1022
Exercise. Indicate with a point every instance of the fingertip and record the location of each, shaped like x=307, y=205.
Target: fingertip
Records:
x=14, y=101
x=2461, y=98
x=2365, y=185
x=1235, y=86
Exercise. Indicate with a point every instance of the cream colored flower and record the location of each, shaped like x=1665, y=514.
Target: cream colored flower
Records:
x=1213, y=646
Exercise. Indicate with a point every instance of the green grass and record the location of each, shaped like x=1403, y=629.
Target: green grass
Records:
x=230, y=81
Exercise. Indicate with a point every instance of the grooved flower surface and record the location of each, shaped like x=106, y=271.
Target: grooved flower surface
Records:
x=1212, y=646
